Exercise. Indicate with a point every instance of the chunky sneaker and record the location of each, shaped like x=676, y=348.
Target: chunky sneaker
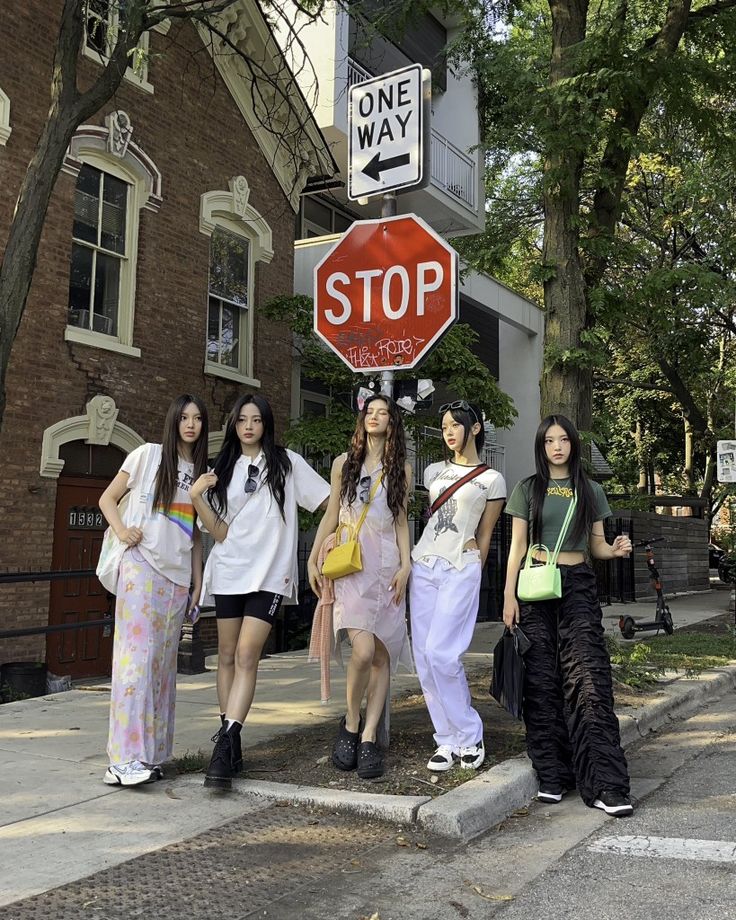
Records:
x=444, y=758
x=128, y=774
x=472, y=757
x=614, y=803
x=550, y=796
x=222, y=764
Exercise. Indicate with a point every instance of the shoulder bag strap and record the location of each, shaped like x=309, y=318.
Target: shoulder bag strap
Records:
x=450, y=490
x=563, y=530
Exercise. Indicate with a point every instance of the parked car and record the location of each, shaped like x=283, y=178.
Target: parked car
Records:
x=727, y=568
x=715, y=554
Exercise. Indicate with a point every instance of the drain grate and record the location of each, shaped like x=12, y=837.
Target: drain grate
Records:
x=239, y=870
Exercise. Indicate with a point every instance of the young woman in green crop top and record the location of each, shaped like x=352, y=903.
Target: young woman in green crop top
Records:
x=572, y=730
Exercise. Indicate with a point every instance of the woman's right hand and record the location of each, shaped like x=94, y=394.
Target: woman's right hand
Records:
x=131, y=536
x=510, y=612
x=202, y=484
x=315, y=578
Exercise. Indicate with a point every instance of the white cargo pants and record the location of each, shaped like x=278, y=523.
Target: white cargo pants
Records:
x=444, y=608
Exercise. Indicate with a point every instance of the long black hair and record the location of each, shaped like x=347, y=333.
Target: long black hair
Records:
x=166, y=476
x=394, y=457
x=467, y=418
x=278, y=465
x=585, y=510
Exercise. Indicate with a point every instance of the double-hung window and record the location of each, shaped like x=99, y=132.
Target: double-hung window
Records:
x=99, y=257
x=229, y=330
x=102, y=25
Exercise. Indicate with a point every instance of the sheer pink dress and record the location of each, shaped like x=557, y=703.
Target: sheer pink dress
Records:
x=363, y=600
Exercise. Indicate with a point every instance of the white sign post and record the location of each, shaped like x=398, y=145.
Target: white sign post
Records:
x=389, y=133
x=726, y=457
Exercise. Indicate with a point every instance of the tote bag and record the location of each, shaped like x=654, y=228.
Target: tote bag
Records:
x=132, y=515
x=507, y=683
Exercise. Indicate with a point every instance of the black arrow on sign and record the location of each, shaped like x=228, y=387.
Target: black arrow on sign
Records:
x=376, y=166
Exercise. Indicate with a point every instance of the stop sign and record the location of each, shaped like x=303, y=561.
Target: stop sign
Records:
x=385, y=293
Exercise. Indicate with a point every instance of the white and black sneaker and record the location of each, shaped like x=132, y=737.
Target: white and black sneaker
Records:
x=128, y=774
x=444, y=758
x=614, y=803
x=472, y=757
x=550, y=796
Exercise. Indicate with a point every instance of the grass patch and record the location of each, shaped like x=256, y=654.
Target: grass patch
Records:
x=691, y=650
x=191, y=762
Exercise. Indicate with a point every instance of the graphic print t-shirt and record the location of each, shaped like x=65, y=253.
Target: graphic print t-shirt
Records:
x=167, y=535
x=456, y=520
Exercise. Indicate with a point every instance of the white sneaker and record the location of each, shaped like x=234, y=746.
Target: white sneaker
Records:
x=444, y=758
x=128, y=774
x=472, y=757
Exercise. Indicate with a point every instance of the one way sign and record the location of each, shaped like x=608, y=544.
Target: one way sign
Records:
x=389, y=129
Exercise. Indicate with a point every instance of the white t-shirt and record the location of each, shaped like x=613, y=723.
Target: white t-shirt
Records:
x=455, y=522
x=167, y=536
x=259, y=552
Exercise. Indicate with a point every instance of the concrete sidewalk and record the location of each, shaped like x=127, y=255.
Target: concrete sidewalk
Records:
x=58, y=822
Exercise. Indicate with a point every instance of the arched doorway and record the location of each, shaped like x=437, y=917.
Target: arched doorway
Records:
x=78, y=529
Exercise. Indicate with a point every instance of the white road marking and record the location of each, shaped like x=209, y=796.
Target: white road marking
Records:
x=723, y=851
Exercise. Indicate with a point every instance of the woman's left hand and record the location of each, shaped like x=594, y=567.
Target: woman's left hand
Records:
x=398, y=583
x=192, y=613
x=621, y=547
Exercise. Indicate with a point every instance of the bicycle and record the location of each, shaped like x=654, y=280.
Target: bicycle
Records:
x=663, y=618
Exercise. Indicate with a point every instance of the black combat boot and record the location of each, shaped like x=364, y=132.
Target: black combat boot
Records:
x=222, y=764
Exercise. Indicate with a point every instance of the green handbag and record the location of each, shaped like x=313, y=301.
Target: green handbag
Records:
x=542, y=581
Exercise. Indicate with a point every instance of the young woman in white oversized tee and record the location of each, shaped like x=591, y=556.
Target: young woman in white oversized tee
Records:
x=445, y=584
x=249, y=505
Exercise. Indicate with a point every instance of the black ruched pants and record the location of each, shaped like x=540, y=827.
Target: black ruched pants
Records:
x=572, y=732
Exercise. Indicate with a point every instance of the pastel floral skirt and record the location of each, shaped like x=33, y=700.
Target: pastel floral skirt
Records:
x=148, y=618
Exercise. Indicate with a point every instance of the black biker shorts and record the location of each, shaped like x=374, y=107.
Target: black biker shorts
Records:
x=262, y=605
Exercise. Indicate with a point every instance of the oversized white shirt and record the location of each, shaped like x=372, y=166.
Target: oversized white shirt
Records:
x=259, y=552
x=167, y=536
x=456, y=521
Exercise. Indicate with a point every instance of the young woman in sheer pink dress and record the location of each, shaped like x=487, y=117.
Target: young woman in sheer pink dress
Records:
x=370, y=605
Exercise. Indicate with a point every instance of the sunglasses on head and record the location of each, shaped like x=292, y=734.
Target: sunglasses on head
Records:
x=364, y=489
x=251, y=483
x=459, y=404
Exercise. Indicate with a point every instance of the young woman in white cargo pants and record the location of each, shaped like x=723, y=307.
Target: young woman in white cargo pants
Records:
x=466, y=498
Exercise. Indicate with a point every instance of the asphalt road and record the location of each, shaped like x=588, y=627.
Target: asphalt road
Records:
x=674, y=859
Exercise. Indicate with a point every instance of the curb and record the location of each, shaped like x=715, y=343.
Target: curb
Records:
x=395, y=809
x=488, y=799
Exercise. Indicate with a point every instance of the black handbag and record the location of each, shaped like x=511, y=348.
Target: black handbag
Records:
x=507, y=682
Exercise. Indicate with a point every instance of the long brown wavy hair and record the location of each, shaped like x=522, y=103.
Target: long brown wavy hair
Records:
x=394, y=458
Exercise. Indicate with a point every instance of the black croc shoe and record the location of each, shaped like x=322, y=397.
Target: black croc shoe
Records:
x=370, y=761
x=345, y=749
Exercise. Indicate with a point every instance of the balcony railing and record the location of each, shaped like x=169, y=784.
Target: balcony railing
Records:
x=452, y=170
x=356, y=73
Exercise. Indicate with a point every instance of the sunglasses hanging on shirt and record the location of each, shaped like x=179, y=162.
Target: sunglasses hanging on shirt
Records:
x=251, y=483
x=364, y=489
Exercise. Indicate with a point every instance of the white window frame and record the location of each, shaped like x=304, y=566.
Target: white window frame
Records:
x=137, y=197
x=243, y=371
x=138, y=77
x=5, y=129
x=231, y=211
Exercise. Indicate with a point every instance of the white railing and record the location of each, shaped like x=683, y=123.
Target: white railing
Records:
x=493, y=455
x=452, y=170
x=356, y=73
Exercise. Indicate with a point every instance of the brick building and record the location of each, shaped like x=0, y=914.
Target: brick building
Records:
x=172, y=221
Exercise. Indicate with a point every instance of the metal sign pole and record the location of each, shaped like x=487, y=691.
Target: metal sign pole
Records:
x=389, y=208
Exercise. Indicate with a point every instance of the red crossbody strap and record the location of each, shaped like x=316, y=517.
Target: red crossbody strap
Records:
x=450, y=490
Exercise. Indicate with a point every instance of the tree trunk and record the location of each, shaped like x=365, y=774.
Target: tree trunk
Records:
x=566, y=384
x=642, y=460
x=688, y=472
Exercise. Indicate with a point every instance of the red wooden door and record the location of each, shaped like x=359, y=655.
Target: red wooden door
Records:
x=78, y=530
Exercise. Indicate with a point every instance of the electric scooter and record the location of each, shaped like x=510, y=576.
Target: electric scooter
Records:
x=662, y=618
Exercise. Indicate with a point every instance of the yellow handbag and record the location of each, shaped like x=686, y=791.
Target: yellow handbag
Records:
x=345, y=558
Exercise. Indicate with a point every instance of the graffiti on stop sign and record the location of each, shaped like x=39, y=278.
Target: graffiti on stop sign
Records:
x=384, y=352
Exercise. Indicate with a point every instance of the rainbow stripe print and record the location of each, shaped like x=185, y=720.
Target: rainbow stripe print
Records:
x=181, y=514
